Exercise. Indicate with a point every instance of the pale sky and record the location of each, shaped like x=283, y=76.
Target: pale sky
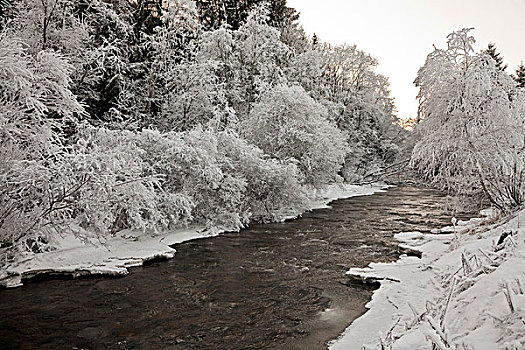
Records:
x=400, y=33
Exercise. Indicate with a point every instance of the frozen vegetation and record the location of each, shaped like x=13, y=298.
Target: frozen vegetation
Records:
x=466, y=292
x=127, y=126
x=157, y=116
x=80, y=254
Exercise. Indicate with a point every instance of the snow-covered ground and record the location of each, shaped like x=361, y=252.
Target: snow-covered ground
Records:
x=79, y=256
x=466, y=292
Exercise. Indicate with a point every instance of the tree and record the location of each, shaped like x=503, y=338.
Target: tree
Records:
x=51, y=24
x=306, y=69
x=471, y=134
x=315, y=40
x=36, y=103
x=520, y=76
x=6, y=12
x=260, y=56
x=95, y=39
x=286, y=123
x=360, y=105
x=162, y=52
x=195, y=97
x=496, y=56
x=248, y=60
x=233, y=13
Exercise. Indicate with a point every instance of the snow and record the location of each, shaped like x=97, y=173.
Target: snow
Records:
x=112, y=257
x=80, y=256
x=455, y=297
x=341, y=191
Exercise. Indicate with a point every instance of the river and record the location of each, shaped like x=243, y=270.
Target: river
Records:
x=272, y=286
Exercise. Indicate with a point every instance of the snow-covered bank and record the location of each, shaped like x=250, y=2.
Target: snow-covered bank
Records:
x=466, y=292
x=113, y=256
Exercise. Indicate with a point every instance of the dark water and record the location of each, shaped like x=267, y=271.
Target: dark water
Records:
x=276, y=286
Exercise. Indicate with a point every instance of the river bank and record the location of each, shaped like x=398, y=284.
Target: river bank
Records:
x=79, y=255
x=276, y=286
x=466, y=292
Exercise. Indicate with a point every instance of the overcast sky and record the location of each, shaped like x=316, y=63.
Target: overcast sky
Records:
x=400, y=33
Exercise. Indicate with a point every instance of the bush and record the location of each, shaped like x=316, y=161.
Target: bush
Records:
x=289, y=125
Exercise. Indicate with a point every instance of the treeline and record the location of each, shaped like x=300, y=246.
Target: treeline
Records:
x=472, y=129
x=155, y=114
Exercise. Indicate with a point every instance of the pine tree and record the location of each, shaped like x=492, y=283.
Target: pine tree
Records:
x=215, y=13
x=315, y=40
x=5, y=12
x=491, y=51
x=520, y=76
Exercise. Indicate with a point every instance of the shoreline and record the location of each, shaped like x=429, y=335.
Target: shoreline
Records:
x=465, y=290
x=112, y=257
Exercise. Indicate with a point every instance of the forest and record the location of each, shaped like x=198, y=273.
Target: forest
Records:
x=131, y=130
x=152, y=115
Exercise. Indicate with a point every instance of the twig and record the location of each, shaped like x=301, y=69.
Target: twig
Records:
x=506, y=292
x=448, y=302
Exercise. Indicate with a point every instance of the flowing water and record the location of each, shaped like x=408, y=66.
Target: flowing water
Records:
x=273, y=286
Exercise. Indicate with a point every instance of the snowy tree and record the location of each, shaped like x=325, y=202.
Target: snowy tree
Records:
x=496, y=56
x=101, y=77
x=288, y=124
x=218, y=13
x=6, y=12
x=259, y=56
x=347, y=70
x=306, y=69
x=195, y=97
x=471, y=136
x=360, y=105
x=173, y=40
x=51, y=24
x=170, y=44
x=36, y=104
x=520, y=75
x=248, y=60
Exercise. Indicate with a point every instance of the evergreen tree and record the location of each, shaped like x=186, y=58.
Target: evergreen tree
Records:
x=520, y=76
x=5, y=12
x=491, y=51
x=315, y=40
x=215, y=13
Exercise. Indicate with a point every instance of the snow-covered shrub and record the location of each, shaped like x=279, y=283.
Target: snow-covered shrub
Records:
x=217, y=192
x=116, y=188
x=35, y=106
x=272, y=186
x=228, y=180
x=289, y=125
x=191, y=164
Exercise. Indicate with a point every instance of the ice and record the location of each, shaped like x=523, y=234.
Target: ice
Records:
x=460, y=293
